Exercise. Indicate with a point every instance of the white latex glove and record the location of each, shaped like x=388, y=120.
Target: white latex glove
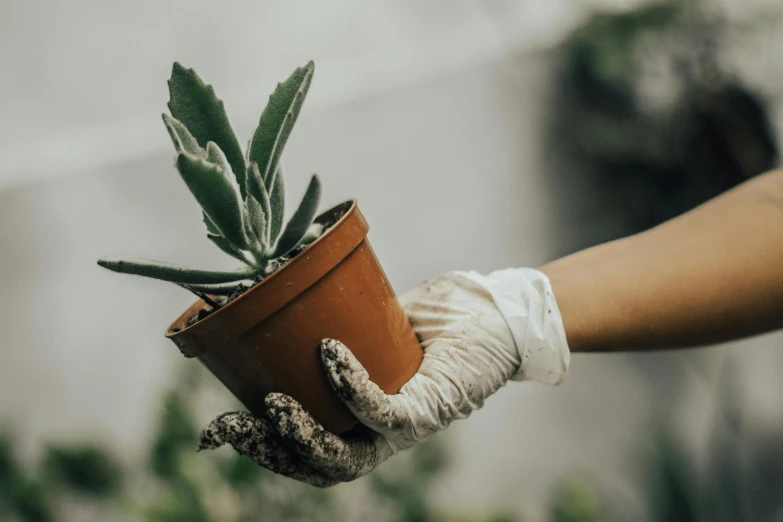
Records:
x=477, y=332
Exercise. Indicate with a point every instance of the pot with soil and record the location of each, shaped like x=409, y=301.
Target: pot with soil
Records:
x=258, y=328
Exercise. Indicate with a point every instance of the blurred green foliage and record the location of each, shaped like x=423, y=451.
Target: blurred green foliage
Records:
x=741, y=481
x=21, y=495
x=177, y=434
x=576, y=501
x=648, y=118
x=173, y=484
x=178, y=504
x=408, y=486
x=671, y=483
x=240, y=473
x=607, y=41
x=30, y=501
x=85, y=469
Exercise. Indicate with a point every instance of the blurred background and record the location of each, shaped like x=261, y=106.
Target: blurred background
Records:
x=475, y=134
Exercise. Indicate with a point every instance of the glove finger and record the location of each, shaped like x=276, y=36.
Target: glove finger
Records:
x=337, y=458
x=373, y=408
x=256, y=439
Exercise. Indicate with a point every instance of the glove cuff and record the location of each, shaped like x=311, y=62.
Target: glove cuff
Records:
x=525, y=299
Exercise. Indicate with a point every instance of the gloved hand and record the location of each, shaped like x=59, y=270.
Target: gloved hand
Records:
x=477, y=333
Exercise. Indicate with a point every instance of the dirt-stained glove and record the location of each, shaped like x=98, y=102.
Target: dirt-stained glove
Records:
x=477, y=332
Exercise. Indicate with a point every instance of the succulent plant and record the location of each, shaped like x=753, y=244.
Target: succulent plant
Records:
x=242, y=195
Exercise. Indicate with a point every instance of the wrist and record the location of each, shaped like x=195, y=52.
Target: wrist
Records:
x=526, y=302
x=579, y=330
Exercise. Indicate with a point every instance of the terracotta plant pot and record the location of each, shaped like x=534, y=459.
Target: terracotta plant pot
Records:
x=267, y=339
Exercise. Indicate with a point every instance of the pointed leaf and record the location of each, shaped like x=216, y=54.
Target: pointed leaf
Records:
x=258, y=221
x=211, y=227
x=255, y=186
x=277, y=120
x=216, y=156
x=226, y=246
x=256, y=243
x=182, y=138
x=272, y=182
x=254, y=181
x=217, y=193
x=173, y=273
x=195, y=104
x=277, y=207
x=314, y=231
x=221, y=289
x=297, y=226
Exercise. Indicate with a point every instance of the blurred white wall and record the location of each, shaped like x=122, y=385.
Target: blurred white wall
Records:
x=83, y=79
x=416, y=110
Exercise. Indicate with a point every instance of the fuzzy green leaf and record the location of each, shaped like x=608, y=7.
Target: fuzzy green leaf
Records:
x=297, y=226
x=258, y=223
x=211, y=227
x=226, y=246
x=314, y=231
x=185, y=142
x=277, y=121
x=173, y=273
x=255, y=186
x=195, y=104
x=217, y=193
x=221, y=289
x=254, y=182
x=182, y=138
x=216, y=157
x=277, y=206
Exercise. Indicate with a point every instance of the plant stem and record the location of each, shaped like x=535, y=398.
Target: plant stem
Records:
x=201, y=295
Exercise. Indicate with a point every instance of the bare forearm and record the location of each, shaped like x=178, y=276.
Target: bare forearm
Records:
x=711, y=275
